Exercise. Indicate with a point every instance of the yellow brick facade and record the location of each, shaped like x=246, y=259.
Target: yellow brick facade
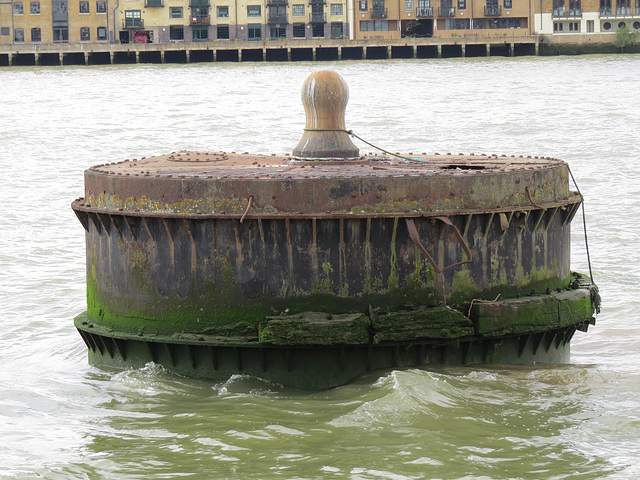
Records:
x=377, y=19
x=53, y=21
x=228, y=20
x=171, y=21
x=84, y=21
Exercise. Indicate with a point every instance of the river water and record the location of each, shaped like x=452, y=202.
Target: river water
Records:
x=61, y=418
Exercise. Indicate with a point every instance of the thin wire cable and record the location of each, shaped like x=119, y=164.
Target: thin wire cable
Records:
x=584, y=223
x=350, y=132
x=584, y=217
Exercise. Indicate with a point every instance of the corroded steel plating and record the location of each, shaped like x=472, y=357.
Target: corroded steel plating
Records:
x=221, y=184
x=309, y=272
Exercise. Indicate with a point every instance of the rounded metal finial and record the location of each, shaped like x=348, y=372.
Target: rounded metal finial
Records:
x=324, y=96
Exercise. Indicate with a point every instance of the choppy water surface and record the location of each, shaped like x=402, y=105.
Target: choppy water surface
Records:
x=61, y=418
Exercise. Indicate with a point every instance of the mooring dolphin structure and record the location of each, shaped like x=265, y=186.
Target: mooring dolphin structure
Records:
x=311, y=269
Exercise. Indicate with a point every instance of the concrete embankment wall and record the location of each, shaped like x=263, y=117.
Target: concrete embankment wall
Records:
x=326, y=50
x=584, y=44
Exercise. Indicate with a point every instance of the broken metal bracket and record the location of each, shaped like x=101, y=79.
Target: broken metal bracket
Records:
x=413, y=233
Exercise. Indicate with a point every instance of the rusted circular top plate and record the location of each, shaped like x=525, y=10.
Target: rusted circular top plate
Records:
x=219, y=183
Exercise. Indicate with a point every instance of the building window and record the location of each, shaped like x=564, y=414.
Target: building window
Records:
x=636, y=25
x=297, y=11
x=102, y=33
x=508, y=4
x=374, y=25
x=18, y=8
x=84, y=7
x=18, y=35
x=479, y=24
x=35, y=8
x=60, y=10
x=318, y=30
x=200, y=34
x=623, y=7
x=277, y=12
x=457, y=24
x=336, y=10
x=85, y=34
x=462, y=4
x=60, y=34
x=278, y=32
x=575, y=7
x=254, y=31
x=447, y=9
x=223, y=32
x=298, y=30
x=557, y=27
x=337, y=30
x=408, y=5
x=558, y=8
x=590, y=26
x=36, y=35
x=200, y=15
x=506, y=23
x=362, y=5
x=605, y=7
x=223, y=12
x=255, y=10
x=132, y=18
x=175, y=12
x=378, y=9
x=176, y=32
x=101, y=6
x=574, y=26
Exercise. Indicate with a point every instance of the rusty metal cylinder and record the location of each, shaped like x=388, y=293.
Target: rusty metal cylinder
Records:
x=310, y=273
x=324, y=96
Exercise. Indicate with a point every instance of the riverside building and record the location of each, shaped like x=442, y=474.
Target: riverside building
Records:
x=167, y=21
x=54, y=21
x=176, y=21
x=563, y=17
x=441, y=18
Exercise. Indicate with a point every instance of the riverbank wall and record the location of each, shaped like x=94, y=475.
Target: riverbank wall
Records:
x=307, y=50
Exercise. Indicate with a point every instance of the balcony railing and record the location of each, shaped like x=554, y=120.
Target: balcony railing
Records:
x=198, y=3
x=446, y=11
x=133, y=23
x=200, y=20
x=154, y=3
x=379, y=12
x=620, y=12
x=424, y=12
x=317, y=17
x=276, y=3
x=571, y=13
x=277, y=18
x=492, y=10
x=317, y=2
